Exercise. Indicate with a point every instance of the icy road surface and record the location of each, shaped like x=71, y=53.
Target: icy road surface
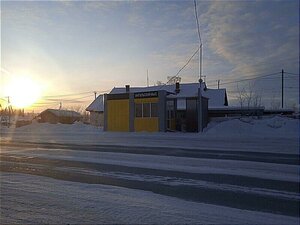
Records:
x=117, y=184
x=28, y=199
x=236, y=172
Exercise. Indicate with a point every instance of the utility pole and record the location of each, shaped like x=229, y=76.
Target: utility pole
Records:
x=9, y=110
x=282, y=72
x=218, y=81
x=95, y=93
x=200, y=118
x=147, y=79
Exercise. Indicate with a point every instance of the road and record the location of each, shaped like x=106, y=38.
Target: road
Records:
x=255, y=181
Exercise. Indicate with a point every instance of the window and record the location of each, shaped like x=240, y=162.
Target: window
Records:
x=138, y=110
x=154, y=110
x=181, y=104
x=146, y=109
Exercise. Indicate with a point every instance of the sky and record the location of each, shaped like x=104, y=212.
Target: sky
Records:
x=76, y=47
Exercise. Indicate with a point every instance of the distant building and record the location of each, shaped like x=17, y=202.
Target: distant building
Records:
x=59, y=116
x=173, y=107
x=96, y=109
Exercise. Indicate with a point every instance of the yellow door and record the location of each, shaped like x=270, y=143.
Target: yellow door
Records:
x=118, y=115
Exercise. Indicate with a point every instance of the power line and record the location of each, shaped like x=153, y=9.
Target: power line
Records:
x=237, y=81
x=189, y=60
x=74, y=94
x=246, y=77
x=66, y=95
x=291, y=73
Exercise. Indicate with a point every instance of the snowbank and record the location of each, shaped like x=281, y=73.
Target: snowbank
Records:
x=277, y=134
x=77, y=127
x=276, y=126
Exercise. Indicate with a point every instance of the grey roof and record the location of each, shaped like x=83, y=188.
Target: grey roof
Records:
x=217, y=97
x=62, y=113
x=97, y=105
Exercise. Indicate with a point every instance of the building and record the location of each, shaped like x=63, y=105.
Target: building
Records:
x=59, y=116
x=161, y=108
x=96, y=109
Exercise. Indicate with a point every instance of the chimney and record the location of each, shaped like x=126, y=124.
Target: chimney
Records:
x=127, y=86
x=177, y=89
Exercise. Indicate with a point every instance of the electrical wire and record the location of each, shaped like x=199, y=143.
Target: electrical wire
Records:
x=291, y=73
x=189, y=60
x=66, y=95
x=66, y=100
x=237, y=81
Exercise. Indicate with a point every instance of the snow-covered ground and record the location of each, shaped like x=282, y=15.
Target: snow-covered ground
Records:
x=149, y=177
x=275, y=126
x=275, y=134
x=42, y=200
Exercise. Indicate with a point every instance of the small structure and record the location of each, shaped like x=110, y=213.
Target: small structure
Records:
x=175, y=107
x=59, y=116
x=96, y=109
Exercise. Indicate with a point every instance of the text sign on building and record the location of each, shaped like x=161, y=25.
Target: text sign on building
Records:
x=150, y=94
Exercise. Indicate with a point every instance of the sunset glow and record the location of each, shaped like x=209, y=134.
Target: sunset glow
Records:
x=22, y=91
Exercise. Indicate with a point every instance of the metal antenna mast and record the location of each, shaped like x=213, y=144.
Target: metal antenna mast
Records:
x=200, y=116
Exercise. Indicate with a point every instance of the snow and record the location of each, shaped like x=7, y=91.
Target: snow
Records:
x=33, y=199
x=277, y=126
x=43, y=200
x=48, y=128
x=168, y=163
x=271, y=134
x=216, y=96
x=61, y=112
x=97, y=105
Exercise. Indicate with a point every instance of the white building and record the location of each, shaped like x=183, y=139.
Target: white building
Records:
x=96, y=109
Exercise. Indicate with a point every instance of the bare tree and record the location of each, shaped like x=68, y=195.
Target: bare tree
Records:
x=275, y=103
x=248, y=97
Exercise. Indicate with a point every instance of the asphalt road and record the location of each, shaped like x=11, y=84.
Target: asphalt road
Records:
x=237, y=191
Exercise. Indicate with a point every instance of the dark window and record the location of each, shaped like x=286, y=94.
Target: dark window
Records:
x=154, y=110
x=138, y=110
x=146, y=110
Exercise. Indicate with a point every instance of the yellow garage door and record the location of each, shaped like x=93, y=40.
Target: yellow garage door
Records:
x=118, y=115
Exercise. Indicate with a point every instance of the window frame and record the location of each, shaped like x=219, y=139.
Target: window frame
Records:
x=143, y=110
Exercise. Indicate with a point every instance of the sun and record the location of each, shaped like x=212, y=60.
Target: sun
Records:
x=22, y=91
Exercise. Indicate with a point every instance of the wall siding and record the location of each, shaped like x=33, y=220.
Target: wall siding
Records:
x=118, y=115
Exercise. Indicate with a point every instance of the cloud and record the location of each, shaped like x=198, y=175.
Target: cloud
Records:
x=246, y=33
